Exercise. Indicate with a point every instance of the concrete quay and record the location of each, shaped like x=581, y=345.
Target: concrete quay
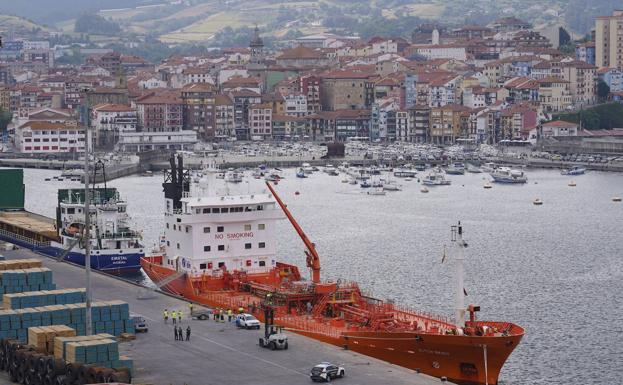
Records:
x=217, y=353
x=112, y=171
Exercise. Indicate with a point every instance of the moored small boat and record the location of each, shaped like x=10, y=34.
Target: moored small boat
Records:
x=507, y=175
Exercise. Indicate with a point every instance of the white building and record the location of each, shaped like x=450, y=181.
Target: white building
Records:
x=260, y=121
x=197, y=75
x=110, y=120
x=40, y=137
x=443, y=91
x=295, y=104
x=559, y=128
x=382, y=46
x=440, y=51
x=165, y=140
x=152, y=82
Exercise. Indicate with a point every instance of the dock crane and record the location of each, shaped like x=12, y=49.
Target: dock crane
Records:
x=313, y=260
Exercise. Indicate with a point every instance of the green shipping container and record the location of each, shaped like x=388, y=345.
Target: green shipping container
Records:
x=12, y=189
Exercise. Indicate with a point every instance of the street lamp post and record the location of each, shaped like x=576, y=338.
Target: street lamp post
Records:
x=87, y=217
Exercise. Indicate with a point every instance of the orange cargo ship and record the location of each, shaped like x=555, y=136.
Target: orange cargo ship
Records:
x=219, y=250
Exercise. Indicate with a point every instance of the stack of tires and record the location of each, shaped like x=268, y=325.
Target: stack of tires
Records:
x=28, y=367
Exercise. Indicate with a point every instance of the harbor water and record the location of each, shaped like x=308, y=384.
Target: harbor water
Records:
x=554, y=269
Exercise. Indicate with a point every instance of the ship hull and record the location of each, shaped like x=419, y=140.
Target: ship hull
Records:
x=108, y=261
x=461, y=359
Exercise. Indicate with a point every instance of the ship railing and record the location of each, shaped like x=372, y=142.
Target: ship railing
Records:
x=24, y=239
x=408, y=312
x=303, y=324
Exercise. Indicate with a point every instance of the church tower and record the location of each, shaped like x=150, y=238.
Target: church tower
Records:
x=257, y=51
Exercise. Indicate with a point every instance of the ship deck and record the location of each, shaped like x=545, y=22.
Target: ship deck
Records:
x=28, y=221
x=218, y=352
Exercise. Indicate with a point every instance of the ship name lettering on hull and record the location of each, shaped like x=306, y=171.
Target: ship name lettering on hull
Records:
x=434, y=352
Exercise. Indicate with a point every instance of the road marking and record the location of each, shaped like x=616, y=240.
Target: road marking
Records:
x=252, y=356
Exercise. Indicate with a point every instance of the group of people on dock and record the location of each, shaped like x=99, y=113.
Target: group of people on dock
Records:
x=176, y=317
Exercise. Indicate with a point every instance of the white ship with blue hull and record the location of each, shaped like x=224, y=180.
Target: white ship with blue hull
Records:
x=115, y=248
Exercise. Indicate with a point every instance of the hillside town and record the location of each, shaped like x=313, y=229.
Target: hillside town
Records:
x=469, y=85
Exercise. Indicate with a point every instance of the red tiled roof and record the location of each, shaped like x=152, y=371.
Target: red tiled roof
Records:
x=560, y=123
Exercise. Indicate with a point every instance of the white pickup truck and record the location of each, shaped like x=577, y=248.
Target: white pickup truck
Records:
x=247, y=321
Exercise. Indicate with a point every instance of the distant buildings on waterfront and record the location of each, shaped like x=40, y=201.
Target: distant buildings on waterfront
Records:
x=481, y=84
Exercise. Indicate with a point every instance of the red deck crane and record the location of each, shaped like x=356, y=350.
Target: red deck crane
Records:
x=313, y=260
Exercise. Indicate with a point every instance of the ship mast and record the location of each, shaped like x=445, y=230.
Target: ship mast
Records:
x=459, y=257
x=313, y=259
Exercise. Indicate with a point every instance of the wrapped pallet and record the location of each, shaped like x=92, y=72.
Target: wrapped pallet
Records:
x=42, y=337
x=61, y=343
x=20, y=264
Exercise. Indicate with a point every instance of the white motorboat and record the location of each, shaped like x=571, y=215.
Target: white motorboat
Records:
x=391, y=187
x=376, y=191
x=508, y=175
x=473, y=169
x=404, y=173
x=307, y=168
x=456, y=168
x=488, y=167
x=329, y=169
x=435, y=178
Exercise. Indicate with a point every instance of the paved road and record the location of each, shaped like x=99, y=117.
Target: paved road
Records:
x=219, y=353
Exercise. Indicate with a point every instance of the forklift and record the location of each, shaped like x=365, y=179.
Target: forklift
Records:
x=274, y=338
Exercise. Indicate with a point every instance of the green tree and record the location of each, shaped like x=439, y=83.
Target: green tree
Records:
x=603, y=90
x=5, y=119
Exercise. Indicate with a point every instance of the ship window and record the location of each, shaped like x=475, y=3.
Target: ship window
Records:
x=79, y=210
x=168, y=243
x=247, y=227
x=220, y=229
x=261, y=226
x=221, y=264
x=224, y=210
x=197, y=211
x=206, y=248
x=174, y=226
x=178, y=246
x=187, y=228
x=247, y=245
x=262, y=263
x=260, y=207
x=206, y=230
x=206, y=211
x=63, y=210
x=71, y=210
x=167, y=225
x=178, y=219
x=262, y=245
x=221, y=247
x=248, y=209
x=215, y=210
x=202, y=266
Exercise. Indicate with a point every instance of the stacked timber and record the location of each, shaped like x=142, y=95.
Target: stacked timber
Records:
x=112, y=317
x=43, y=298
x=42, y=337
x=20, y=264
x=19, y=280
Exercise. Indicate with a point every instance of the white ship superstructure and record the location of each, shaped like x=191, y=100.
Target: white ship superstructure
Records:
x=207, y=232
